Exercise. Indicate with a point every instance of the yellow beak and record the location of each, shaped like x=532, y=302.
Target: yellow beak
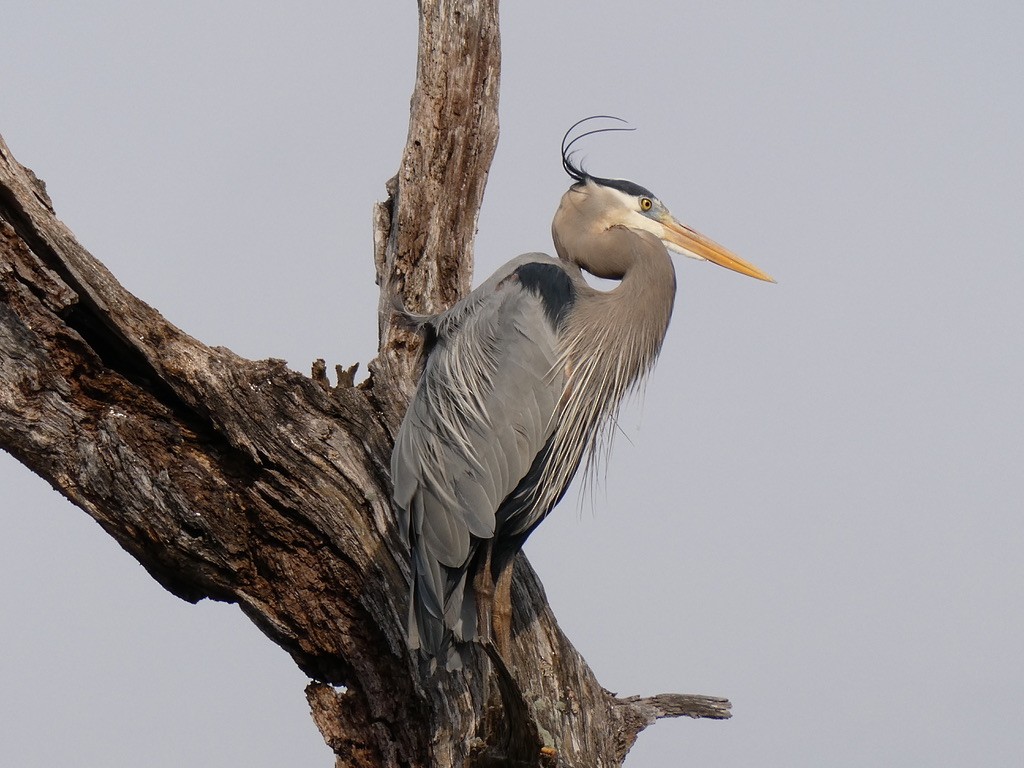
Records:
x=696, y=245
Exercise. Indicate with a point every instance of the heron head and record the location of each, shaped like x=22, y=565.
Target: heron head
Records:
x=598, y=204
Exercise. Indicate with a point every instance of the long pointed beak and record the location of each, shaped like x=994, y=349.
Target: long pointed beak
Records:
x=680, y=237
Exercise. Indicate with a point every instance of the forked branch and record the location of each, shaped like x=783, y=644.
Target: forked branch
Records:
x=243, y=481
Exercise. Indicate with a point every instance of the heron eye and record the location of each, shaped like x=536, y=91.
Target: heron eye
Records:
x=645, y=204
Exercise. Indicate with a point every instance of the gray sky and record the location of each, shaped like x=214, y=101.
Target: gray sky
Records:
x=815, y=509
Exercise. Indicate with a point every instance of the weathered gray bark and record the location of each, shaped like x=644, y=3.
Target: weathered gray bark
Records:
x=242, y=481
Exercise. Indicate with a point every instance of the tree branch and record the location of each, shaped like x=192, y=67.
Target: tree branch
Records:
x=423, y=232
x=242, y=481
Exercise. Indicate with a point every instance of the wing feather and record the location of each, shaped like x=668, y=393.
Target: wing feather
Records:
x=482, y=412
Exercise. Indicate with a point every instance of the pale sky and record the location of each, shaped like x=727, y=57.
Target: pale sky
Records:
x=814, y=510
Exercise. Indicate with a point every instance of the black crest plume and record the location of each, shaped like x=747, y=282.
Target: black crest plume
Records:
x=575, y=171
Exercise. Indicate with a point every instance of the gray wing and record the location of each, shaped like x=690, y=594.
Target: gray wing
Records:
x=481, y=414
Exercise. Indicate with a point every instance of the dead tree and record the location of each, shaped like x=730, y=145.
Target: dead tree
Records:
x=242, y=481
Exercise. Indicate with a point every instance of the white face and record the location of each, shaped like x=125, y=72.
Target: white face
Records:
x=597, y=208
x=645, y=214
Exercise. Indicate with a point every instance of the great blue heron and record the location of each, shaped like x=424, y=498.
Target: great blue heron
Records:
x=521, y=379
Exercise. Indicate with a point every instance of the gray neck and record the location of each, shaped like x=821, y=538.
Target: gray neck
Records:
x=632, y=318
x=610, y=341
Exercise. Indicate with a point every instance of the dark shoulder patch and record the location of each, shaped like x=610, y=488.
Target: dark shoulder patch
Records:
x=552, y=285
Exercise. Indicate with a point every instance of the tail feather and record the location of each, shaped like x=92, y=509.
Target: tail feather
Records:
x=438, y=637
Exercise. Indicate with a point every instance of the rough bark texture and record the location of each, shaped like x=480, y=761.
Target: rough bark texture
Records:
x=242, y=481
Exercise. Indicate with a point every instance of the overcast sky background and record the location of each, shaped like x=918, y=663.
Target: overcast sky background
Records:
x=815, y=509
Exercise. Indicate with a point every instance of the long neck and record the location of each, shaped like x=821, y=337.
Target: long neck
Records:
x=610, y=342
x=622, y=330
x=626, y=325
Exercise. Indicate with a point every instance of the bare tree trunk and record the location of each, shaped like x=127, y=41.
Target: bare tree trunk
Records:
x=242, y=481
